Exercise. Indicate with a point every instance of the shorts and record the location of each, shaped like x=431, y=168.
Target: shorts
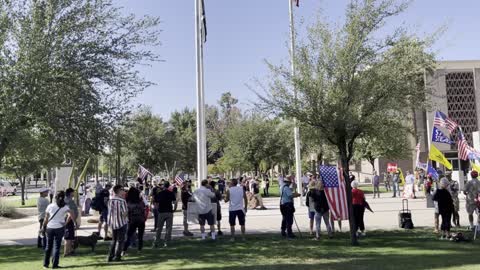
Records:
x=311, y=215
x=471, y=207
x=104, y=215
x=232, y=216
x=206, y=217
x=69, y=231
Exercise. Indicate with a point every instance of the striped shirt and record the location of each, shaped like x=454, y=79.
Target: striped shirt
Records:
x=117, y=213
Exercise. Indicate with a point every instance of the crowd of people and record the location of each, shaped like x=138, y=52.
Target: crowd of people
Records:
x=123, y=211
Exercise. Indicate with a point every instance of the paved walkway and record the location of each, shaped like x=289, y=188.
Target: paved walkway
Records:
x=258, y=221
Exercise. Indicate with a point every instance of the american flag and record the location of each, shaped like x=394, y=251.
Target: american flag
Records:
x=334, y=185
x=179, y=179
x=441, y=120
x=143, y=173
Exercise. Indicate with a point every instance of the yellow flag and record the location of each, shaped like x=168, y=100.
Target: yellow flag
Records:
x=475, y=167
x=436, y=155
x=402, y=178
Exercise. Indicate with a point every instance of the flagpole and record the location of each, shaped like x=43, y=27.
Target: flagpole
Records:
x=201, y=134
x=296, y=131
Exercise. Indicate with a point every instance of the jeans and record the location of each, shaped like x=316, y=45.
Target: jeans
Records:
x=287, y=211
x=265, y=191
x=396, y=188
x=116, y=247
x=42, y=238
x=358, y=212
x=163, y=218
x=185, y=221
x=54, y=242
x=326, y=220
x=132, y=228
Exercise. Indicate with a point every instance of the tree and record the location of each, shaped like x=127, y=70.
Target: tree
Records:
x=183, y=127
x=30, y=153
x=68, y=68
x=351, y=81
x=390, y=143
x=147, y=141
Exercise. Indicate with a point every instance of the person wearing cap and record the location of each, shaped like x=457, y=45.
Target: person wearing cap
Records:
x=311, y=204
x=287, y=208
x=42, y=204
x=471, y=190
x=445, y=207
x=454, y=189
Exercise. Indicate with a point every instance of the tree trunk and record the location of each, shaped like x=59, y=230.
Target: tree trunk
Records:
x=372, y=161
x=342, y=148
x=3, y=149
x=22, y=185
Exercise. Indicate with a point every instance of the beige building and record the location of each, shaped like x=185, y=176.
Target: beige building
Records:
x=455, y=87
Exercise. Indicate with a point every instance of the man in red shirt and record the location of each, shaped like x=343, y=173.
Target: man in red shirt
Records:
x=358, y=204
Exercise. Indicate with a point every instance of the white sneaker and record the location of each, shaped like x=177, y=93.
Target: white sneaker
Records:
x=214, y=235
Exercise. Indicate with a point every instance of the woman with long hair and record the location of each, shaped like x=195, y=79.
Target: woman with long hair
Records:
x=136, y=217
x=57, y=215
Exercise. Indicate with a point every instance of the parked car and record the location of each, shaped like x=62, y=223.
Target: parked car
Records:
x=7, y=188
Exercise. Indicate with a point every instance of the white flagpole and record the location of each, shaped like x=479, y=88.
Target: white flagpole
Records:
x=298, y=160
x=201, y=134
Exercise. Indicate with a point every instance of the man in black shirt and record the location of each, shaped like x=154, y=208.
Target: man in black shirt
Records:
x=186, y=195
x=164, y=201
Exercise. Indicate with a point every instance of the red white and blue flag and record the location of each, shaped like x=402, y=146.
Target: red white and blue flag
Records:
x=334, y=185
x=441, y=120
x=179, y=179
x=143, y=173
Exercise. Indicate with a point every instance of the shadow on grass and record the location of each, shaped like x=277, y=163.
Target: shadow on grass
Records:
x=412, y=250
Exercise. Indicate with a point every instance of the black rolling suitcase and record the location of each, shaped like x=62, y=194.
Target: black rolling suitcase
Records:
x=405, y=217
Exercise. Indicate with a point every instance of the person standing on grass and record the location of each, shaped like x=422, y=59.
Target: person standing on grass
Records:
x=202, y=197
x=453, y=188
x=117, y=220
x=56, y=215
x=472, y=190
x=358, y=204
x=101, y=199
x=309, y=201
x=164, y=201
x=445, y=207
x=136, y=218
x=237, y=208
x=266, y=186
x=217, y=200
x=71, y=224
x=322, y=210
x=186, y=194
x=376, y=185
x=154, y=210
x=287, y=208
x=42, y=204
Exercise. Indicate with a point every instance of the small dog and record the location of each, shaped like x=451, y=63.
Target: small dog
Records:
x=89, y=241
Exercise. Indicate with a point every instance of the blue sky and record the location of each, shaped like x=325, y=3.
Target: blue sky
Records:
x=243, y=33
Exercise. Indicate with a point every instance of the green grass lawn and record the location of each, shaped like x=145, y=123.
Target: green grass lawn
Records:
x=17, y=202
x=412, y=250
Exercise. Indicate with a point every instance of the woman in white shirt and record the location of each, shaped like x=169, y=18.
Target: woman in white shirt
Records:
x=57, y=215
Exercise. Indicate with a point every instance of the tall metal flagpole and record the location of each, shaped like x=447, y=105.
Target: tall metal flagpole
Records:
x=201, y=133
x=298, y=160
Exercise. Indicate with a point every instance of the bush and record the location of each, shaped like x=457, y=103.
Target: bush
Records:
x=6, y=210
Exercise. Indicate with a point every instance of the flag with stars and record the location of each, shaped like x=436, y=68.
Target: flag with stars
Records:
x=334, y=186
